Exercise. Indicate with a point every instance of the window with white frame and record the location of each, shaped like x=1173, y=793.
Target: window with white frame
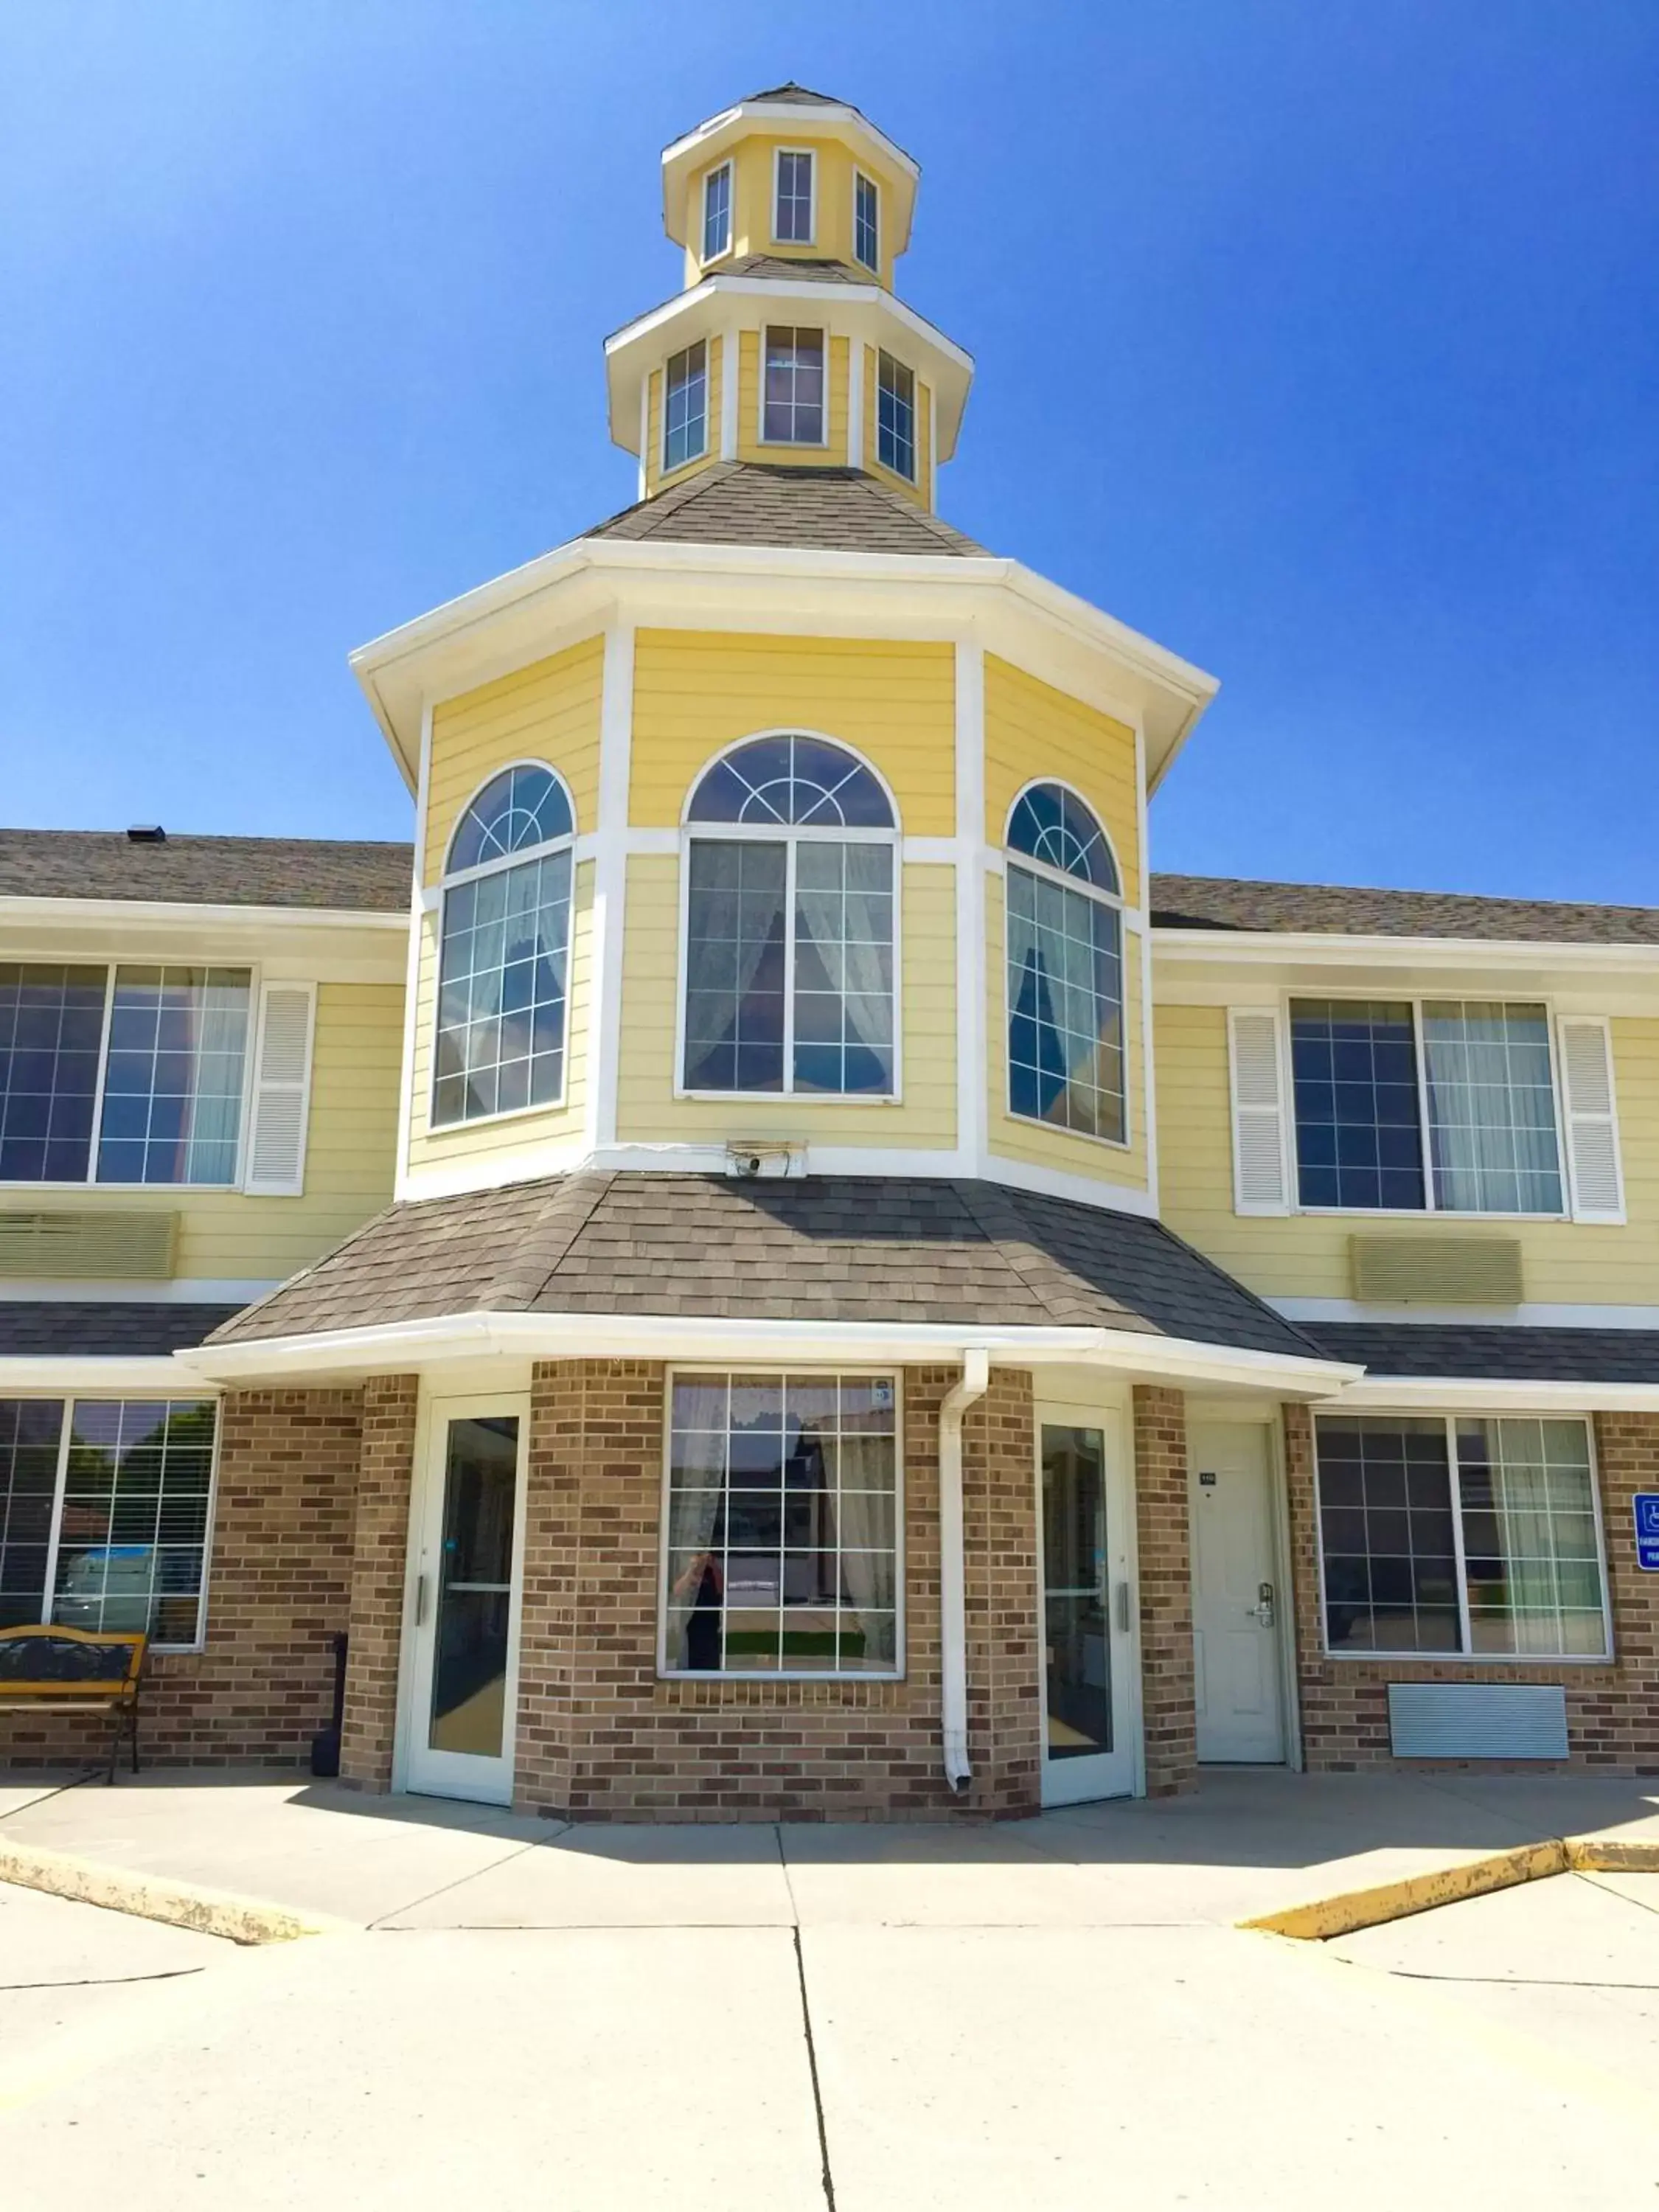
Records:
x=500, y=1039
x=1435, y=1104
x=896, y=417
x=717, y=212
x=783, y=1538
x=789, y=923
x=792, y=399
x=1065, y=967
x=866, y=221
x=686, y=407
x=104, y=1508
x=1460, y=1535
x=792, y=205
x=130, y=1074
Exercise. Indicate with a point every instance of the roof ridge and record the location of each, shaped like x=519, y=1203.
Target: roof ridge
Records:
x=546, y=1247
x=1396, y=890
x=986, y=1205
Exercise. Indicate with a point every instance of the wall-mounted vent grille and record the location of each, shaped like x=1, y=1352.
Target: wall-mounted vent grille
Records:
x=1436, y=1271
x=95, y=1246
x=1478, y=1720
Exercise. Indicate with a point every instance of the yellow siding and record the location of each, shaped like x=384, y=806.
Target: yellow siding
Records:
x=695, y=692
x=752, y=209
x=921, y=490
x=749, y=444
x=649, y=1113
x=1032, y=1142
x=549, y=712
x=1031, y=730
x=351, y=1145
x=1306, y=1256
x=512, y=1133
x=654, y=477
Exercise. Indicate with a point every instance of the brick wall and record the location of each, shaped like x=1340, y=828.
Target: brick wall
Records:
x=601, y=1736
x=279, y=1571
x=1612, y=1712
x=1162, y=1520
x=379, y=1556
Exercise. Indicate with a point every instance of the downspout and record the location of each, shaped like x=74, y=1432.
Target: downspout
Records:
x=952, y=1580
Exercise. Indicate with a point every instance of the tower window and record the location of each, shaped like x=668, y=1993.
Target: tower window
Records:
x=866, y=221
x=792, y=407
x=717, y=212
x=686, y=407
x=792, y=212
x=895, y=417
x=1065, y=954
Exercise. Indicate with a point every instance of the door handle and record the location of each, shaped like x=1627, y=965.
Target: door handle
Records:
x=420, y=1600
x=1263, y=1608
x=1125, y=1613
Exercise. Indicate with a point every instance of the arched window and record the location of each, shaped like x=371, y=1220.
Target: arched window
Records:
x=789, y=923
x=506, y=949
x=1064, y=940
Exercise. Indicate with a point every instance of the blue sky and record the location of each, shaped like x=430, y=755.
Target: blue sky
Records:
x=1318, y=340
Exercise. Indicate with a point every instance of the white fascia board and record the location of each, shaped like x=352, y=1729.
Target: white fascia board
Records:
x=64, y=1378
x=403, y=1344
x=177, y=1291
x=1393, y=1394
x=314, y=945
x=158, y=913
x=1528, y=1316
x=1206, y=947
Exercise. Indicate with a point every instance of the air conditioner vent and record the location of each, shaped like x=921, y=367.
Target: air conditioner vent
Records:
x=89, y=1242
x=1478, y=1720
x=1436, y=1271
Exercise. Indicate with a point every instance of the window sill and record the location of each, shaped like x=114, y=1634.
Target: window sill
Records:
x=1438, y=1214
x=793, y=444
x=233, y=1186
x=490, y=1120
x=792, y=1097
x=756, y=1675
x=1462, y=1659
x=1056, y=1130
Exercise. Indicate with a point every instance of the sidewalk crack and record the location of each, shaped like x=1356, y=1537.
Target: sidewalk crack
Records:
x=825, y=2175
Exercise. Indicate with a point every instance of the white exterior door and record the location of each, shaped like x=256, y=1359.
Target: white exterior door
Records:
x=1086, y=1599
x=462, y=1689
x=1235, y=1598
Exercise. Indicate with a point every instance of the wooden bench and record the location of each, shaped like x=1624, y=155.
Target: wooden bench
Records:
x=75, y=1670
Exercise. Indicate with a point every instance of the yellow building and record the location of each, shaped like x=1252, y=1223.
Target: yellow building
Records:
x=875, y=1277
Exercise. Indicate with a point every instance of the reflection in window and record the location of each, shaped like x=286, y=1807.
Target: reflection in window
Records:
x=173, y=1080
x=895, y=417
x=686, y=407
x=51, y=1031
x=783, y=1525
x=792, y=215
x=717, y=212
x=789, y=951
x=1065, y=968
x=793, y=405
x=866, y=221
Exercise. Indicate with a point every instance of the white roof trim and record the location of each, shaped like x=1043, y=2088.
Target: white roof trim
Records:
x=61, y=1378
x=716, y=285
x=1245, y=945
x=801, y=112
x=188, y=914
x=1397, y=1393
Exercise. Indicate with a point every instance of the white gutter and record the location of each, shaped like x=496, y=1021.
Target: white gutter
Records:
x=1243, y=947
x=48, y=1377
x=1395, y=1393
x=953, y=1578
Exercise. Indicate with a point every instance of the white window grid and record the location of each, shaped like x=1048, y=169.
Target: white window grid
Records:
x=686, y=407
x=1467, y=1657
x=63, y=1496
x=717, y=212
x=794, y=195
x=866, y=221
x=793, y=840
x=801, y=415
x=478, y=1001
x=806, y=1377
x=1431, y=1203
x=1082, y=1006
x=248, y=980
x=896, y=417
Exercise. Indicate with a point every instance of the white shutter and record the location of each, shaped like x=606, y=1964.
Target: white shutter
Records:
x=281, y=1090
x=1261, y=1181
x=1592, y=1117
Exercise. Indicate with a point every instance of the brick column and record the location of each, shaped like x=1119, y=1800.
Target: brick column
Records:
x=386, y=1471
x=999, y=1486
x=1162, y=1514
x=1616, y=1723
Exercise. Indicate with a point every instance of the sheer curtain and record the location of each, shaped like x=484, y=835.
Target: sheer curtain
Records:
x=734, y=916
x=221, y=1008
x=697, y=1493
x=844, y=913
x=1491, y=1109
x=866, y=1527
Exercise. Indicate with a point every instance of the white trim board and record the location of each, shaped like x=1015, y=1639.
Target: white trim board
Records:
x=1522, y=1317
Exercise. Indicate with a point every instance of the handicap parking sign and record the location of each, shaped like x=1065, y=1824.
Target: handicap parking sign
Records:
x=1647, y=1530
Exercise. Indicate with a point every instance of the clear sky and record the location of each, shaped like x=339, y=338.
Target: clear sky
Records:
x=1318, y=340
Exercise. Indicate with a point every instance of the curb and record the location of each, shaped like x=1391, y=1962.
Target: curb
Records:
x=151, y=1897
x=1345, y=1915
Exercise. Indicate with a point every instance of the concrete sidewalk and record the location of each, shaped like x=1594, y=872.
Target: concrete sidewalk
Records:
x=1248, y=1843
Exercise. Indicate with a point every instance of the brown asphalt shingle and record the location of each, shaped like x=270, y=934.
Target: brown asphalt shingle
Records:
x=807, y=269
x=822, y=510
x=103, y=1329
x=1486, y=1352
x=830, y=1249
x=302, y=872
x=1225, y=903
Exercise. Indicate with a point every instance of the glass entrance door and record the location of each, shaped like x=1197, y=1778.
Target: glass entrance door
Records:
x=458, y=1727
x=1086, y=1589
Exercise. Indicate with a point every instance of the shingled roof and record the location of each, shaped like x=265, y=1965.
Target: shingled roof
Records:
x=103, y=1329
x=797, y=95
x=761, y=504
x=1224, y=902
x=1490, y=1353
x=830, y=1249
x=293, y=872
x=805, y=271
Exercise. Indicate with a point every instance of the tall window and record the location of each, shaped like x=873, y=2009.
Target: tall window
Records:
x=130, y=1074
x=789, y=924
x=1383, y=1086
x=792, y=410
x=792, y=214
x=782, y=1550
x=104, y=1513
x=501, y=977
x=1065, y=967
x=717, y=212
x=686, y=407
x=866, y=221
x=895, y=417
x=1460, y=1535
